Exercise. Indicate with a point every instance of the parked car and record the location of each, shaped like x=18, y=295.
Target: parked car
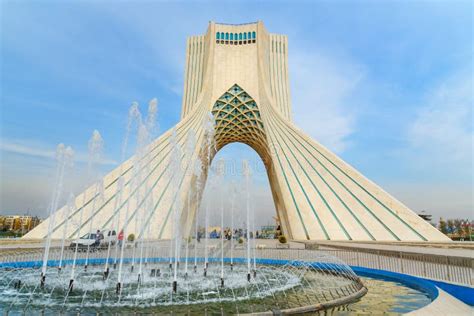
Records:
x=89, y=240
x=108, y=236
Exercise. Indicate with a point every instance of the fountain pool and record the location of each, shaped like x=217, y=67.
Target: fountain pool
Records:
x=291, y=286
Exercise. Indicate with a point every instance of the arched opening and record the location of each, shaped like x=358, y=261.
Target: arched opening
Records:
x=230, y=194
x=238, y=120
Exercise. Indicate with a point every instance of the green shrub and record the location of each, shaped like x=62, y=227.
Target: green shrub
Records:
x=241, y=240
x=282, y=239
x=131, y=237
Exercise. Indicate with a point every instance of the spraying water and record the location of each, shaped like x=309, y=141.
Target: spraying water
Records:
x=71, y=207
x=175, y=168
x=142, y=140
x=146, y=230
x=64, y=157
x=173, y=141
x=122, y=248
x=189, y=149
x=197, y=173
x=254, y=235
x=99, y=197
x=206, y=226
x=146, y=136
x=246, y=172
x=151, y=125
x=76, y=248
x=271, y=282
x=220, y=174
x=209, y=128
x=118, y=201
x=232, y=200
x=96, y=146
x=134, y=116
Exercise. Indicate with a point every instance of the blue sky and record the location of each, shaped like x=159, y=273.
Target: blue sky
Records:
x=386, y=84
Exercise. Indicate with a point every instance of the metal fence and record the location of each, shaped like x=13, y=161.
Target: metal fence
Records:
x=443, y=268
x=458, y=270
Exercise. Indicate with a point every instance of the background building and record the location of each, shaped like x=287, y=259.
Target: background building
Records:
x=18, y=223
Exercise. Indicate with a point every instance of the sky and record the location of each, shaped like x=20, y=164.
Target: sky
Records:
x=387, y=85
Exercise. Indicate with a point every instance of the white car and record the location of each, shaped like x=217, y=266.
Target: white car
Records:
x=107, y=236
x=93, y=242
x=89, y=240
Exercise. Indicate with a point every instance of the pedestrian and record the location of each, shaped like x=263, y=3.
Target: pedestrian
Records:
x=97, y=238
x=120, y=238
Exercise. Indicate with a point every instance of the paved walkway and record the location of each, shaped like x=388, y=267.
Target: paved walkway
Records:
x=444, y=305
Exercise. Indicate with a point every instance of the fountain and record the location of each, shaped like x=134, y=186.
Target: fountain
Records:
x=64, y=158
x=280, y=284
x=154, y=275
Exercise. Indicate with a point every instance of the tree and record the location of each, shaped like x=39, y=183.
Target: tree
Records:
x=467, y=229
x=450, y=226
x=282, y=239
x=442, y=226
x=458, y=226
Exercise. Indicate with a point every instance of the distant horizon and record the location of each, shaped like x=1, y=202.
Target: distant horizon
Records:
x=433, y=220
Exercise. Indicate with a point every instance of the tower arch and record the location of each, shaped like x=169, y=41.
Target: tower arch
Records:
x=238, y=119
x=317, y=195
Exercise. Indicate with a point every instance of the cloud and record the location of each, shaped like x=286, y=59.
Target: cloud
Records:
x=26, y=150
x=34, y=149
x=322, y=90
x=436, y=153
x=27, y=168
x=442, y=129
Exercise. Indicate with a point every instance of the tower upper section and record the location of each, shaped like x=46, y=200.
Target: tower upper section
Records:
x=243, y=54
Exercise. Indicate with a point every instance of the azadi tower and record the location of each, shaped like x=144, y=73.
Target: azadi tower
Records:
x=239, y=73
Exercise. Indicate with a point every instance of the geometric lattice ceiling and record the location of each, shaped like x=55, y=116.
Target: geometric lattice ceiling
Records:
x=238, y=120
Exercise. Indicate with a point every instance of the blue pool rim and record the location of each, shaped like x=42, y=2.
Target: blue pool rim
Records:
x=462, y=293
x=428, y=286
